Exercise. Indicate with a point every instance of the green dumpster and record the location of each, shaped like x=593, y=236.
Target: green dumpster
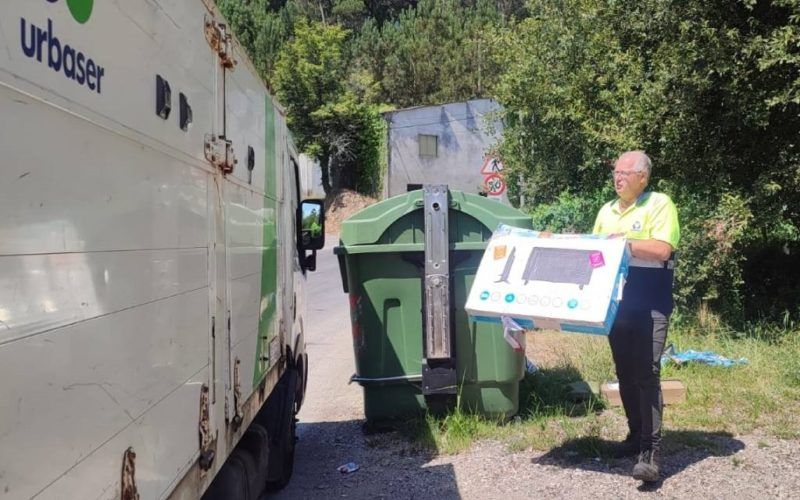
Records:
x=398, y=305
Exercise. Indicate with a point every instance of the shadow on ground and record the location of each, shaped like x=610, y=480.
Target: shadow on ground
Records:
x=680, y=449
x=547, y=391
x=393, y=463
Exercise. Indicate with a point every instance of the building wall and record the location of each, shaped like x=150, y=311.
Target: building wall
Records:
x=463, y=138
x=310, y=177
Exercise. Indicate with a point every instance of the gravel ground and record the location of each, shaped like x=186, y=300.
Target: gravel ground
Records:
x=330, y=433
x=390, y=469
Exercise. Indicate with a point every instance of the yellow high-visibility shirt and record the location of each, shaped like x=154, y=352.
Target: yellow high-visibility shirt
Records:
x=653, y=216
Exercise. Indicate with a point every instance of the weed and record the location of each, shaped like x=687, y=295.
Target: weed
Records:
x=764, y=394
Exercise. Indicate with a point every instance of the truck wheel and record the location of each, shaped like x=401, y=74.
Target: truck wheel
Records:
x=282, y=444
x=302, y=383
x=255, y=443
x=235, y=479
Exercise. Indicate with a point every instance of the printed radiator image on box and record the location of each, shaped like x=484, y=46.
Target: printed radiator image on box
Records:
x=560, y=282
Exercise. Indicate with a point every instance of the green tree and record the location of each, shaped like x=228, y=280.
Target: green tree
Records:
x=328, y=121
x=437, y=52
x=309, y=76
x=707, y=88
x=262, y=28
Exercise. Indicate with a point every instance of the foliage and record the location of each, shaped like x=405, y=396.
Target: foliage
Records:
x=437, y=52
x=308, y=76
x=310, y=222
x=569, y=213
x=708, y=89
x=762, y=396
x=327, y=119
x=261, y=31
x=354, y=133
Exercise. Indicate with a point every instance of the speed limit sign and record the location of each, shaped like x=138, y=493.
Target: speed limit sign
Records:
x=495, y=184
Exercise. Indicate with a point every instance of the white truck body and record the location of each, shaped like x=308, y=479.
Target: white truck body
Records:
x=133, y=272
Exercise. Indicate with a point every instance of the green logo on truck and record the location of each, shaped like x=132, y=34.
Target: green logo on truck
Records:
x=81, y=10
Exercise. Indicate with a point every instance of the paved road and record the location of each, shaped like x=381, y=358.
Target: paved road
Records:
x=330, y=351
x=330, y=429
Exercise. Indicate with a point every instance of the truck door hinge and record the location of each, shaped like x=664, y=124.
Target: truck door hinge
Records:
x=220, y=41
x=219, y=151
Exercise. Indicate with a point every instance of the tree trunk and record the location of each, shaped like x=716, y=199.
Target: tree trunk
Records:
x=324, y=165
x=342, y=175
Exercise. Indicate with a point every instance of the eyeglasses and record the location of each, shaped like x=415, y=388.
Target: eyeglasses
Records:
x=625, y=173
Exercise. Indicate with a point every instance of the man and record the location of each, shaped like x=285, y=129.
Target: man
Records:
x=650, y=223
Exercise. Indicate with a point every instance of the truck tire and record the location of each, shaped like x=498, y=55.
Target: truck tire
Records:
x=255, y=442
x=282, y=413
x=234, y=481
x=302, y=383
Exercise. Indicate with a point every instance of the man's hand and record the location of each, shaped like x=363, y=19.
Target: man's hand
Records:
x=651, y=249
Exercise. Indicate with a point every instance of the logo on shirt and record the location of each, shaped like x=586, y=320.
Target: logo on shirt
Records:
x=637, y=226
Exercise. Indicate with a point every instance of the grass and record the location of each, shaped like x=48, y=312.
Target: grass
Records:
x=762, y=396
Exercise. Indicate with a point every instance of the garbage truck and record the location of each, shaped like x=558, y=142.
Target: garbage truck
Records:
x=152, y=257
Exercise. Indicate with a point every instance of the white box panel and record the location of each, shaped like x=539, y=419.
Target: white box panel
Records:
x=561, y=282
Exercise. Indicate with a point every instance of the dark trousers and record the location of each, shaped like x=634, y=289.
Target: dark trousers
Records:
x=637, y=342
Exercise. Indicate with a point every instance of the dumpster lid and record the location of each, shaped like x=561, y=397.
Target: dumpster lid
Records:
x=367, y=226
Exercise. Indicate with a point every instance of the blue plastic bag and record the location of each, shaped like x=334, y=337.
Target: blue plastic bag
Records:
x=705, y=357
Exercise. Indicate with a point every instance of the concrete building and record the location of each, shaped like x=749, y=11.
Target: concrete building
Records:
x=444, y=144
x=310, y=174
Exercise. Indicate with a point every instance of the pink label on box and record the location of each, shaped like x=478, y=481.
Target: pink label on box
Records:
x=596, y=259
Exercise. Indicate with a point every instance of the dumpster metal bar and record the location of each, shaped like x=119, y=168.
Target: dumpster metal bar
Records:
x=385, y=380
x=439, y=366
x=437, y=272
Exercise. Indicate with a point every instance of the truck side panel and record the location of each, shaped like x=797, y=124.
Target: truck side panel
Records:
x=104, y=291
x=124, y=254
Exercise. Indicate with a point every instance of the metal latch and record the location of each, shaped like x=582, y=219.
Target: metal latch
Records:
x=220, y=41
x=219, y=151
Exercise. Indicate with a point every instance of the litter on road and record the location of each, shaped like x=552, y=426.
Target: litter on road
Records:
x=348, y=468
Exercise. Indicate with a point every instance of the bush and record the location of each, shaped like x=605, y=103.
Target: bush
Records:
x=570, y=213
x=710, y=90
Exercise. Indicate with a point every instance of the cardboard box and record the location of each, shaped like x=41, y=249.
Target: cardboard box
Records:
x=557, y=282
x=673, y=392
